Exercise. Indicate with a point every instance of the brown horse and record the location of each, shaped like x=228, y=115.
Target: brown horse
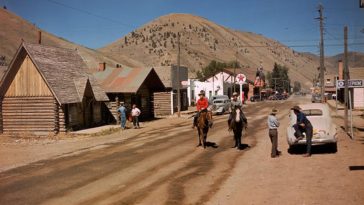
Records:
x=203, y=127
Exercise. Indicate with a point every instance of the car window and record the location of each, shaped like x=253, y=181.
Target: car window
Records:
x=312, y=112
x=218, y=101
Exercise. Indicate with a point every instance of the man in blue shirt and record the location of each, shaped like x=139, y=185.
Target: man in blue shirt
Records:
x=122, y=111
x=303, y=125
x=273, y=125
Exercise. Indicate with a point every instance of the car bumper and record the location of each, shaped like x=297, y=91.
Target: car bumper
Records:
x=317, y=141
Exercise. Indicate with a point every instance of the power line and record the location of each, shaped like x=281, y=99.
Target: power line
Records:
x=90, y=13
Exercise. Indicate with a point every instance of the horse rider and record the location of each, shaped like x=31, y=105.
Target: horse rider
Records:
x=201, y=106
x=237, y=104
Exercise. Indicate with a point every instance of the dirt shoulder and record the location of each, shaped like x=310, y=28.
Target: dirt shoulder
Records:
x=325, y=178
x=15, y=152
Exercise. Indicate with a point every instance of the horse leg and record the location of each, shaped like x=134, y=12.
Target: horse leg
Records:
x=199, y=137
x=239, y=137
x=235, y=140
x=204, y=139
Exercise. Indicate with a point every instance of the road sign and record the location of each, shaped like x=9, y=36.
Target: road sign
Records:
x=351, y=83
x=240, y=78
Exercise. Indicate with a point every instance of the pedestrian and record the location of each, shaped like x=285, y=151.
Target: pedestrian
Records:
x=273, y=125
x=122, y=110
x=135, y=112
x=201, y=105
x=303, y=125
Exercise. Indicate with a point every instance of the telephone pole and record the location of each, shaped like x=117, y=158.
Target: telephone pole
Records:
x=322, y=56
x=346, y=77
x=178, y=81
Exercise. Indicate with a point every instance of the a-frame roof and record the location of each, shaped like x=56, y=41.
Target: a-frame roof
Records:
x=63, y=70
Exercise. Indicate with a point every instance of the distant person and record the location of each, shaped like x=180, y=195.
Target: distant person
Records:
x=135, y=112
x=201, y=105
x=273, y=125
x=303, y=125
x=122, y=110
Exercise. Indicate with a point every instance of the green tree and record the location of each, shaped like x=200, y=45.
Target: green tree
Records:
x=296, y=86
x=279, y=78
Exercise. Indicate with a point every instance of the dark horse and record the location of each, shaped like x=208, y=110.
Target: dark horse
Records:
x=237, y=122
x=203, y=127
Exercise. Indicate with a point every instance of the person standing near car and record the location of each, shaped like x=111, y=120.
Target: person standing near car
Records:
x=303, y=125
x=273, y=125
x=135, y=112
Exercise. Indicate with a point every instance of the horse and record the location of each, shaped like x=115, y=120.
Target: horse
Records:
x=203, y=127
x=237, y=122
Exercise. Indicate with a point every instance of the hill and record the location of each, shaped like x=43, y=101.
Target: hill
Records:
x=14, y=29
x=156, y=44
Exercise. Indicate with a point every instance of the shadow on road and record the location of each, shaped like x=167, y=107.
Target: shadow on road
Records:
x=315, y=149
x=211, y=144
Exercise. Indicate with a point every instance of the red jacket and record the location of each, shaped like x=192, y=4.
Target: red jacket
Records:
x=202, y=104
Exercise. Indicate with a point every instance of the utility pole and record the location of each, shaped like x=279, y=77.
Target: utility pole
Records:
x=322, y=64
x=346, y=77
x=178, y=80
x=235, y=72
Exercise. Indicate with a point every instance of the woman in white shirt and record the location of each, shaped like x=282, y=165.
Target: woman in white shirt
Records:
x=135, y=112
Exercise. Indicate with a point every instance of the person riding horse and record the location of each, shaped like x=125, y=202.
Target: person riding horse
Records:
x=235, y=124
x=201, y=106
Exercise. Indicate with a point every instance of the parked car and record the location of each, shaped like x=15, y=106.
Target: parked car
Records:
x=324, y=130
x=255, y=98
x=316, y=98
x=277, y=96
x=221, y=105
x=212, y=98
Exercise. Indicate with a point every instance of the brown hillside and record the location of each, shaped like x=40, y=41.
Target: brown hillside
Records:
x=155, y=44
x=14, y=29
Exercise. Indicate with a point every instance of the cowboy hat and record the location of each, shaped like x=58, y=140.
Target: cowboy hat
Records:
x=235, y=94
x=274, y=111
x=202, y=93
x=296, y=107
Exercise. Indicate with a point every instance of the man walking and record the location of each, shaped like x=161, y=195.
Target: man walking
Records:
x=303, y=125
x=122, y=111
x=273, y=125
x=135, y=112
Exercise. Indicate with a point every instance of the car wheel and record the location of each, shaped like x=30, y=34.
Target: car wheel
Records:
x=333, y=147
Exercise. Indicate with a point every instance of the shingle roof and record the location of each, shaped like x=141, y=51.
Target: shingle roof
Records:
x=64, y=71
x=2, y=71
x=124, y=80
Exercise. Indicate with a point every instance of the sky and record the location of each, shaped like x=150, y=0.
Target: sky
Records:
x=96, y=23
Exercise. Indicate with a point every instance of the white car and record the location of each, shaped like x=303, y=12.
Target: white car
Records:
x=324, y=130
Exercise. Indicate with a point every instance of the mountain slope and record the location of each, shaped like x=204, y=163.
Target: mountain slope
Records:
x=14, y=29
x=156, y=44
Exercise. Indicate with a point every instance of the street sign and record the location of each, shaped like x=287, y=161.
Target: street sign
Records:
x=240, y=78
x=351, y=83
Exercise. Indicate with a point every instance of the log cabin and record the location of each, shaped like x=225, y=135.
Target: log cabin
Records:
x=48, y=90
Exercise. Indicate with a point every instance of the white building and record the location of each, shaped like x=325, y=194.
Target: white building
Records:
x=220, y=84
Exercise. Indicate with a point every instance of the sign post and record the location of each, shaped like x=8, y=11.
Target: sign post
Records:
x=241, y=78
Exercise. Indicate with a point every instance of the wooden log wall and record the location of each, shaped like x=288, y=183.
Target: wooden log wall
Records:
x=1, y=117
x=162, y=104
x=62, y=120
x=28, y=114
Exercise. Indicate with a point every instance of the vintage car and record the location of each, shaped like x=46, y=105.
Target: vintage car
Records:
x=324, y=130
x=221, y=105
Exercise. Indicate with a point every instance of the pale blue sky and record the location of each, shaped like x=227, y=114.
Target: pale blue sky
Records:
x=95, y=23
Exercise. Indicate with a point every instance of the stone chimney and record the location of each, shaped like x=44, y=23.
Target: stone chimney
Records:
x=39, y=37
x=102, y=66
x=341, y=70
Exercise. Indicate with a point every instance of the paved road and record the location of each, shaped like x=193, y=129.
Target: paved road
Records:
x=162, y=166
